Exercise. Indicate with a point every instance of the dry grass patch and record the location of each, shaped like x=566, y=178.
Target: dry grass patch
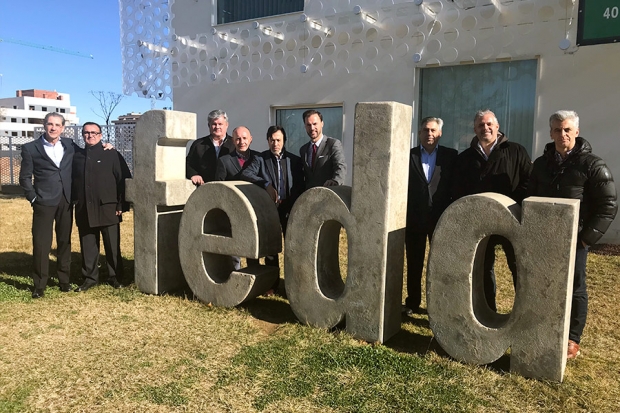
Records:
x=121, y=350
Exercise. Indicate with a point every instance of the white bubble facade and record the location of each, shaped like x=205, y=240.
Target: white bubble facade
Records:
x=333, y=36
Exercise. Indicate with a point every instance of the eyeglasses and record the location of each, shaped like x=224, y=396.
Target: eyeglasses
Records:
x=91, y=133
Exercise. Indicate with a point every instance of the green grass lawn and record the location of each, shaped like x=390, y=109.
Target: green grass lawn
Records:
x=123, y=351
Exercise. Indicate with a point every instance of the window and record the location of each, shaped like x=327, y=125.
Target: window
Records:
x=14, y=106
x=44, y=108
x=62, y=110
x=13, y=120
x=30, y=134
x=236, y=10
x=455, y=93
x=23, y=120
x=30, y=107
x=13, y=133
x=292, y=121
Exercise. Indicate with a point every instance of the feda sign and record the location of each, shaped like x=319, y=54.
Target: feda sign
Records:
x=175, y=244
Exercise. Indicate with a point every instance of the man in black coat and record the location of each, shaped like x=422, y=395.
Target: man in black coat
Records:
x=99, y=194
x=45, y=175
x=201, y=161
x=492, y=164
x=430, y=174
x=281, y=174
x=569, y=169
x=230, y=166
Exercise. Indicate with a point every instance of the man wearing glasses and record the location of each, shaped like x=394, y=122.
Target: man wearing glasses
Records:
x=99, y=196
x=45, y=175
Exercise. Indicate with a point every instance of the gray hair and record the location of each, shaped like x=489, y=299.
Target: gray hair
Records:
x=562, y=115
x=428, y=119
x=483, y=112
x=213, y=115
x=53, y=115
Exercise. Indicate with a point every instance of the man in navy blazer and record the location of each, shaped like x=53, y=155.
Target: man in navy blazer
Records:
x=45, y=175
x=323, y=157
x=281, y=174
x=430, y=174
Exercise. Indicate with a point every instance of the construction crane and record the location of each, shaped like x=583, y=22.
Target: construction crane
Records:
x=50, y=48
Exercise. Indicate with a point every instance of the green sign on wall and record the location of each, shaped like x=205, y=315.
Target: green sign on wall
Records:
x=598, y=22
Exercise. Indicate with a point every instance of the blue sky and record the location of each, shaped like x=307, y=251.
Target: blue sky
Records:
x=85, y=26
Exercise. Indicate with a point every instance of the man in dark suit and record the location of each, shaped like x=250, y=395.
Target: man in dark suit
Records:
x=323, y=157
x=201, y=161
x=48, y=160
x=98, y=191
x=430, y=173
x=281, y=174
x=230, y=167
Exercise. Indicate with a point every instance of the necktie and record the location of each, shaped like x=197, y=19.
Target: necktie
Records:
x=313, y=154
x=241, y=161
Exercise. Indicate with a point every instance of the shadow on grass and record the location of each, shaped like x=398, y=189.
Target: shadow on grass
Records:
x=20, y=264
x=413, y=343
x=270, y=310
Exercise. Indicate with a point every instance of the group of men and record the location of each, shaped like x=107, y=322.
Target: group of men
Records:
x=284, y=175
x=58, y=176
x=492, y=163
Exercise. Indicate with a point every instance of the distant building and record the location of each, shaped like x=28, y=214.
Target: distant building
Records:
x=128, y=119
x=20, y=115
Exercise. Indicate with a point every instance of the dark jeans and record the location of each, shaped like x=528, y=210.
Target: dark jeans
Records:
x=490, y=285
x=579, y=307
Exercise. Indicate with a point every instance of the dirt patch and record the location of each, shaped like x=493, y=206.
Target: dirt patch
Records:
x=265, y=326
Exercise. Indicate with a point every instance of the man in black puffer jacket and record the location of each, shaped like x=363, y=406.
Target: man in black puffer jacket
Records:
x=492, y=164
x=569, y=169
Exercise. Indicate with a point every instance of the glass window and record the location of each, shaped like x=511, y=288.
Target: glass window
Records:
x=31, y=107
x=292, y=122
x=62, y=110
x=44, y=108
x=236, y=10
x=14, y=120
x=456, y=93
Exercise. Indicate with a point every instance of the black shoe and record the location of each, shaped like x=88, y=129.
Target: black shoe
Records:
x=65, y=288
x=37, y=294
x=113, y=282
x=84, y=287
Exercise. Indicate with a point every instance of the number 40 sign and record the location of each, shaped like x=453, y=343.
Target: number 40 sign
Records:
x=598, y=22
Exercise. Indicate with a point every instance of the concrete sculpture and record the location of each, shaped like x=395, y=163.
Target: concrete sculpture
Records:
x=158, y=192
x=237, y=218
x=373, y=213
x=222, y=219
x=543, y=234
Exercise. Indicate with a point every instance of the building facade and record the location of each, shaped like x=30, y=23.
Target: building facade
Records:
x=20, y=115
x=264, y=62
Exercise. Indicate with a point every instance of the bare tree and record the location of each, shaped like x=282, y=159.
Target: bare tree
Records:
x=108, y=101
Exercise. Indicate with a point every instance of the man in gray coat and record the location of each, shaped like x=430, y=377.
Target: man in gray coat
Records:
x=323, y=157
x=45, y=175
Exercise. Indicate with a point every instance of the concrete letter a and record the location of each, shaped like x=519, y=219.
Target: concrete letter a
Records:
x=536, y=330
